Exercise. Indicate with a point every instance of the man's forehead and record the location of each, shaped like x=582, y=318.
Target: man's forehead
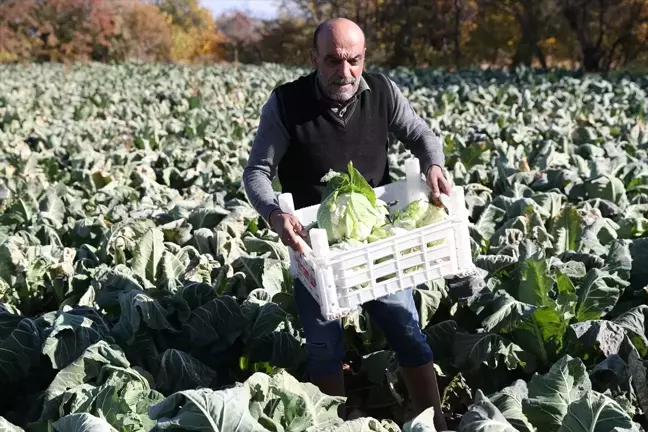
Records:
x=343, y=53
x=341, y=48
x=341, y=42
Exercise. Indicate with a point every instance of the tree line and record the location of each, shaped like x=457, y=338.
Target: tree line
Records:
x=107, y=31
x=593, y=35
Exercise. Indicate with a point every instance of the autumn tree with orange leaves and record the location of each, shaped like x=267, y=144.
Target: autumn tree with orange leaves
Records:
x=194, y=36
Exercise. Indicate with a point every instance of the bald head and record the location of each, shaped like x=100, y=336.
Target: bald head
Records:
x=338, y=30
x=338, y=55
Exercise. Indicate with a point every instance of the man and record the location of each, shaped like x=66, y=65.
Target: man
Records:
x=320, y=122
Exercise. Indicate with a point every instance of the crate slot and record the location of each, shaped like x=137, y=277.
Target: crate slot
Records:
x=385, y=247
x=391, y=286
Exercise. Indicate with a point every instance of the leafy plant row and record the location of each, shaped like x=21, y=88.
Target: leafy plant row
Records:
x=140, y=291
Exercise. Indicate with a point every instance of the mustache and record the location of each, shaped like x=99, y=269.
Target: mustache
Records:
x=342, y=81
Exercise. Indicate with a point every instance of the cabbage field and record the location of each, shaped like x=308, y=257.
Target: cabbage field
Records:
x=139, y=290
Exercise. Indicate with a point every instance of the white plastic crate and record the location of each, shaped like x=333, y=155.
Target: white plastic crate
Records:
x=342, y=281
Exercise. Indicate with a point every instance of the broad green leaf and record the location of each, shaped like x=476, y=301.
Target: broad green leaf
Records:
x=20, y=344
x=541, y=334
x=260, y=273
x=509, y=231
x=619, y=260
x=177, y=231
x=285, y=349
x=207, y=241
x=424, y=422
x=71, y=333
x=597, y=295
x=5, y=426
x=509, y=402
x=473, y=350
x=118, y=395
x=483, y=416
x=530, y=209
x=595, y=412
x=190, y=297
x=567, y=230
x=567, y=298
x=217, y=323
x=207, y=216
x=205, y=409
x=493, y=263
x=366, y=424
x=303, y=405
x=535, y=282
x=500, y=310
x=264, y=317
x=170, y=268
x=271, y=249
x=489, y=220
x=148, y=254
x=609, y=188
x=441, y=336
x=639, y=254
x=589, y=338
x=634, y=323
x=638, y=371
x=551, y=395
x=138, y=309
x=428, y=300
x=85, y=368
x=82, y=422
x=52, y=208
x=376, y=364
x=180, y=371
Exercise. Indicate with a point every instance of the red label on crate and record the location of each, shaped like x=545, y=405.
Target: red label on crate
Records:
x=304, y=271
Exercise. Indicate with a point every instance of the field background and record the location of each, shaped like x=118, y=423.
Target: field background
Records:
x=138, y=286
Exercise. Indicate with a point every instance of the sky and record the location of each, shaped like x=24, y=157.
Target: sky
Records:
x=257, y=8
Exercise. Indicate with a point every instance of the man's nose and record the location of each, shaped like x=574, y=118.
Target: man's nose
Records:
x=345, y=69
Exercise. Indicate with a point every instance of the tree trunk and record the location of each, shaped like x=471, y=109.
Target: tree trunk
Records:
x=591, y=58
x=541, y=57
x=403, y=55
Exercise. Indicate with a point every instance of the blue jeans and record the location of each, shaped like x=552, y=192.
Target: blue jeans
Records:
x=396, y=315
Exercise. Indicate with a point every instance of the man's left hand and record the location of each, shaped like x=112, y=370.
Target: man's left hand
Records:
x=437, y=182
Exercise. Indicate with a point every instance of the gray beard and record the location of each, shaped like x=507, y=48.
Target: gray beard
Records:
x=340, y=96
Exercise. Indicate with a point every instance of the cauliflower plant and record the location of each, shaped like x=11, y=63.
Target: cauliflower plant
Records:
x=349, y=208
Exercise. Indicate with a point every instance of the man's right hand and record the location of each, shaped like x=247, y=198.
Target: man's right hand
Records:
x=289, y=229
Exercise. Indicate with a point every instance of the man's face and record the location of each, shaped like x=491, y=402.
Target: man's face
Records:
x=339, y=60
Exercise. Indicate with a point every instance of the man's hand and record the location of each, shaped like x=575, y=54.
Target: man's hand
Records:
x=288, y=228
x=437, y=182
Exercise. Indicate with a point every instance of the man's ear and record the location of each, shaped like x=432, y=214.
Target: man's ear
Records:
x=313, y=57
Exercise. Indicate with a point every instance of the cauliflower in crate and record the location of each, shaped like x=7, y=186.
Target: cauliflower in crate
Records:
x=353, y=216
x=414, y=215
x=418, y=214
x=349, y=208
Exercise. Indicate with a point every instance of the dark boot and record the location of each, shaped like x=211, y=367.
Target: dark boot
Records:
x=333, y=385
x=423, y=389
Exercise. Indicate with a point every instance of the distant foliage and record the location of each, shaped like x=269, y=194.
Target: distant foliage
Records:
x=596, y=36
x=98, y=30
